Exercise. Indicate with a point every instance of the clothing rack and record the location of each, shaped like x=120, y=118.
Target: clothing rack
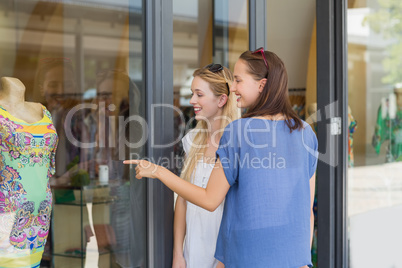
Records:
x=297, y=97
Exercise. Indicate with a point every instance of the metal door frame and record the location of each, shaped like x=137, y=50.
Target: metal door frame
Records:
x=332, y=99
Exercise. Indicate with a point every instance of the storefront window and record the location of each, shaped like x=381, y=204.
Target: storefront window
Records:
x=375, y=133
x=203, y=32
x=83, y=61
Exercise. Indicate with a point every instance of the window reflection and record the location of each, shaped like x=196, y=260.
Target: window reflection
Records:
x=374, y=182
x=83, y=61
x=56, y=82
x=203, y=32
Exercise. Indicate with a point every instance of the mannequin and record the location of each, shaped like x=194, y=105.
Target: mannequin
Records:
x=389, y=125
x=12, y=97
x=28, y=142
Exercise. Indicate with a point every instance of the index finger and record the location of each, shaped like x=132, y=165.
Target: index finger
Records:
x=135, y=162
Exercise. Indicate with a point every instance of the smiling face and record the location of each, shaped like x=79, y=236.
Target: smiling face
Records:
x=206, y=105
x=246, y=88
x=57, y=81
x=105, y=90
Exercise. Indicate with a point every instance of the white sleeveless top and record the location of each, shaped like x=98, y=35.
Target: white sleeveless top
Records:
x=202, y=226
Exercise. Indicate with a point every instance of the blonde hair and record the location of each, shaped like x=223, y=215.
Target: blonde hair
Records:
x=219, y=82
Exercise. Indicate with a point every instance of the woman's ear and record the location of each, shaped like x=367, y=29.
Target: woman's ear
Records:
x=222, y=100
x=262, y=84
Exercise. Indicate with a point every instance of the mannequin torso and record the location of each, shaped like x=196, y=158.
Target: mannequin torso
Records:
x=12, y=99
x=28, y=142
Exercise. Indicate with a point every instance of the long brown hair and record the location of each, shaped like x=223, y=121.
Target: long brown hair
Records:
x=274, y=98
x=218, y=83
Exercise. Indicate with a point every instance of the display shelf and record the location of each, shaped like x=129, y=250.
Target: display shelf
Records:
x=94, y=184
x=78, y=254
x=95, y=201
x=76, y=208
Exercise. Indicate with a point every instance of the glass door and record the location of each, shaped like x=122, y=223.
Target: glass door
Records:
x=375, y=133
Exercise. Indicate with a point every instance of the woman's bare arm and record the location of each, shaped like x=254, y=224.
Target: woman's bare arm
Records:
x=209, y=198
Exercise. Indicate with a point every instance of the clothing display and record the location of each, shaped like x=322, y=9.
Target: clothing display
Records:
x=389, y=128
x=202, y=226
x=297, y=98
x=351, y=129
x=27, y=161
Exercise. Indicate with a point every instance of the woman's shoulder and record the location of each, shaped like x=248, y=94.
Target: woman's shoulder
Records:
x=236, y=123
x=187, y=140
x=190, y=135
x=307, y=126
x=308, y=133
x=247, y=122
x=250, y=122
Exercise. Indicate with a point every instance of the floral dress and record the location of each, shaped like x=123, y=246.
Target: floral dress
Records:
x=352, y=129
x=27, y=161
x=389, y=128
x=202, y=226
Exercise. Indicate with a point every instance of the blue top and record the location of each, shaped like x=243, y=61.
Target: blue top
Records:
x=266, y=219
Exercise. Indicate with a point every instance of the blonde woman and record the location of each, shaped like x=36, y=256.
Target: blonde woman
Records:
x=214, y=108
